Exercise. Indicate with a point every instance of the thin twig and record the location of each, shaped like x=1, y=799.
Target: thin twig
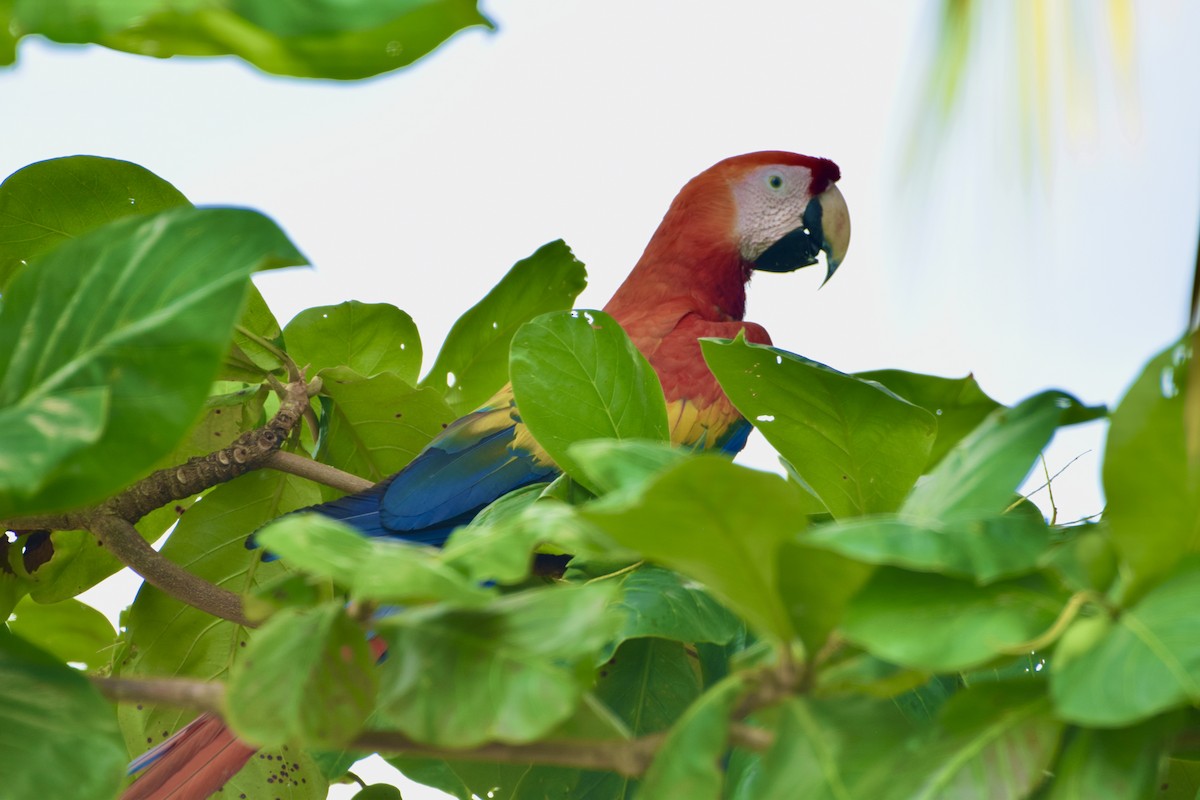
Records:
x=173, y=692
x=628, y=757
x=316, y=471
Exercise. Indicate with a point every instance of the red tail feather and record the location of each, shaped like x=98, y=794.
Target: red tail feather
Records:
x=193, y=764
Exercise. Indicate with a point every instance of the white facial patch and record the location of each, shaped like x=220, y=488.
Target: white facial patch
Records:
x=770, y=204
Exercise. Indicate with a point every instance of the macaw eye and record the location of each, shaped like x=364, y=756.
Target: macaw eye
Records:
x=775, y=181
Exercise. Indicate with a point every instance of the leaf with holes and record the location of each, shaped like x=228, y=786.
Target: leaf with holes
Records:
x=577, y=376
x=166, y=637
x=50, y=202
x=368, y=338
x=859, y=447
x=473, y=362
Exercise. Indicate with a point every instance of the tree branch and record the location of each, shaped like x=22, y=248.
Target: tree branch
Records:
x=196, y=695
x=111, y=522
x=630, y=758
x=249, y=451
x=316, y=471
x=120, y=538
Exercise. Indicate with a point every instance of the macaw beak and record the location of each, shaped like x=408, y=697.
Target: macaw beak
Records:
x=826, y=229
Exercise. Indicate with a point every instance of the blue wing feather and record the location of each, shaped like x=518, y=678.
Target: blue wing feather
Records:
x=467, y=466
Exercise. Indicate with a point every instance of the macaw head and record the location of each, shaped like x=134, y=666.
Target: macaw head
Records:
x=788, y=210
x=771, y=211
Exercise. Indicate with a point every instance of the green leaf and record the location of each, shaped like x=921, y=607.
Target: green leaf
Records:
x=308, y=676
x=377, y=425
x=368, y=338
x=254, y=352
x=42, y=432
x=473, y=362
x=983, y=550
x=164, y=637
x=648, y=684
x=70, y=631
x=510, y=671
x=823, y=751
x=624, y=464
x=58, y=735
x=958, y=403
x=1119, y=764
x=577, y=376
x=1087, y=560
x=1146, y=662
x=8, y=37
x=994, y=742
x=77, y=563
x=49, y=202
x=143, y=307
x=385, y=570
x=378, y=791
x=942, y=624
x=1152, y=488
x=859, y=447
x=815, y=586
x=498, y=544
x=718, y=523
x=1180, y=779
x=688, y=762
x=861, y=673
x=980, y=474
x=657, y=602
x=342, y=40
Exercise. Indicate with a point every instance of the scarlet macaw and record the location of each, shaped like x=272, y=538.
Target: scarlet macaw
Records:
x=769, y=211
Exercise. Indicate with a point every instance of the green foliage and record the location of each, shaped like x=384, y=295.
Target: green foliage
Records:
x=308, y=674
x=586, y=356
x=473, y=362
x=511, y=671
x=694, y=518
x=51, y=201
x=688, y=763
x=891, y=620
x=376, y=425
x=69, y=630
x=858, y=447
x=161, y=293
x=369, y=569
x=1155, y=639
x=1150, y=472
x=367, y=338
x=59, y=735
x=343, y=40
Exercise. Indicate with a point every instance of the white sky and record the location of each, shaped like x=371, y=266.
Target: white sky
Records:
x=581, y=120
